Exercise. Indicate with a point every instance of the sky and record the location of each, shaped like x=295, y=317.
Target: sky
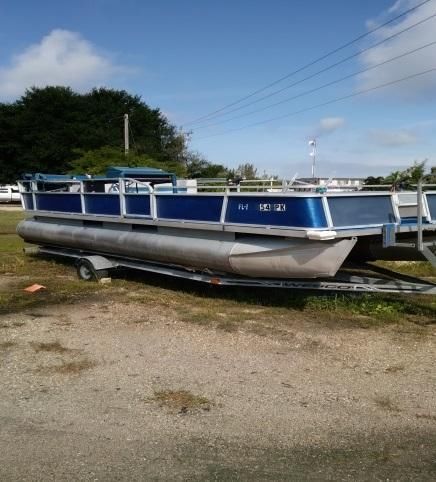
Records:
x=191, y=58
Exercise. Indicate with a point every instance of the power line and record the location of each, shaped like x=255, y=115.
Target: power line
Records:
x=306, y=66
x=316, y=89
x=325, y=69
x=332, y=101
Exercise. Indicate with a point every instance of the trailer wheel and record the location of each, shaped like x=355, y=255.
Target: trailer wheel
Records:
x=86, y=271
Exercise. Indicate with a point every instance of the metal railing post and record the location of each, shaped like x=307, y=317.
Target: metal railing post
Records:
x=419, y=245
x=153, y=205
x=82, y=197
x=224, y=208
x=122, y=191
x=21, y=188
x=34, y=187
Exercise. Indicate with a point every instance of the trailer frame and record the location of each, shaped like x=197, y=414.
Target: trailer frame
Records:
x=96, y=266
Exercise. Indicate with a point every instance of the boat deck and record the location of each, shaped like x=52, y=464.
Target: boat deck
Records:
x=291, y=213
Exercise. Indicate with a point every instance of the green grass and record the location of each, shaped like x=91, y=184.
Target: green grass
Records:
x=11, y=243
x=411, y=268
x=9, y=221
x=22, y=270
x=11, y=246
x=258, y=310
x=263, y=311
x=58, y=290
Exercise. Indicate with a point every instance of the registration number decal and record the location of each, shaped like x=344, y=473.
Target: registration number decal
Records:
x=264, y=207
x=268, y=207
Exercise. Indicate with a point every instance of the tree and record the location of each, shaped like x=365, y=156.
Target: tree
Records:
x=197, y=166
x=395, y=177
x=416, y=172
x=9, y=160
x=42, y=131
x=411, y=175
x=97, y=161
x=247, y=171
x=373, y=181
x=431, y=178
x=401, y=179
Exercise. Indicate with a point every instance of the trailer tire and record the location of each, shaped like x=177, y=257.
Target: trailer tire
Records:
x=86, y=271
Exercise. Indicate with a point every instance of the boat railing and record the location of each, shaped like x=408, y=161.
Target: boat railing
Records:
x=218, y=185
x=127, y=184
x=135, y=186
x=81, y=185
x=267, y=185
x=389, y=187
x=52, y=186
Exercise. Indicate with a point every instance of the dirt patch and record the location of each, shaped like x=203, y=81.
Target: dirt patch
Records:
x=53, y=346
x=426, y=416
x=4, y=345
x=74, y=367
x=181, y=400
x=281, y=396
x=395, y=368
x=386, y=403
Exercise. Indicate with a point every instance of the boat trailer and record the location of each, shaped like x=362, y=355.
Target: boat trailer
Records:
x=93, y=266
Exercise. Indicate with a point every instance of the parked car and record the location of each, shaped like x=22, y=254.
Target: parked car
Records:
x=9, y=194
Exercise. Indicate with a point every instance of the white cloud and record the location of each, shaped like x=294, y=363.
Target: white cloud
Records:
x=393, y=138
x=328, y=125
x=409, y=65
x=398, y=5
x=60, y=58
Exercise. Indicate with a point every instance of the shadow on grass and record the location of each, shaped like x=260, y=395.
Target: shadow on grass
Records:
x=191, y=295
x=62, y=285
x=382, y=306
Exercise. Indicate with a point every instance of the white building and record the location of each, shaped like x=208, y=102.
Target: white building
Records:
x=335, y=182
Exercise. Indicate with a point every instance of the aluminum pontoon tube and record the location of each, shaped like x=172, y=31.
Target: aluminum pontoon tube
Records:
x=259, y=256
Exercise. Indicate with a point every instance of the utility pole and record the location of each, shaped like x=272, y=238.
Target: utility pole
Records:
x=126, y=134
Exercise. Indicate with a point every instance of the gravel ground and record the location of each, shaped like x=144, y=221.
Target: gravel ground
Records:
x=79, y=383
